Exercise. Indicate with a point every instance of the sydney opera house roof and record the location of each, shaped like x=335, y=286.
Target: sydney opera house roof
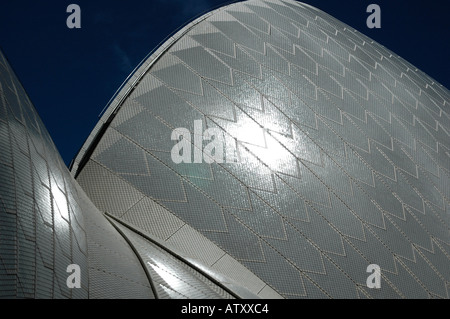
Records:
x=330, y=154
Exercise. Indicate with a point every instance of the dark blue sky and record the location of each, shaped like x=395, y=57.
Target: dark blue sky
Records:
x=70, y=74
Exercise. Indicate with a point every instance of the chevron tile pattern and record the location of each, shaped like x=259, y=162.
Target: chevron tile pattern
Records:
x=46, y=220
x=42, y=229
x=343, y=147
x=47, y=223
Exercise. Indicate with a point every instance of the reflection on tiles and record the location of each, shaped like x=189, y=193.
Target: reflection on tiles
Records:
x=344, y=162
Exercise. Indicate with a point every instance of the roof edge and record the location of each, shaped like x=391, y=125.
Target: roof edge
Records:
x=126, y=88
